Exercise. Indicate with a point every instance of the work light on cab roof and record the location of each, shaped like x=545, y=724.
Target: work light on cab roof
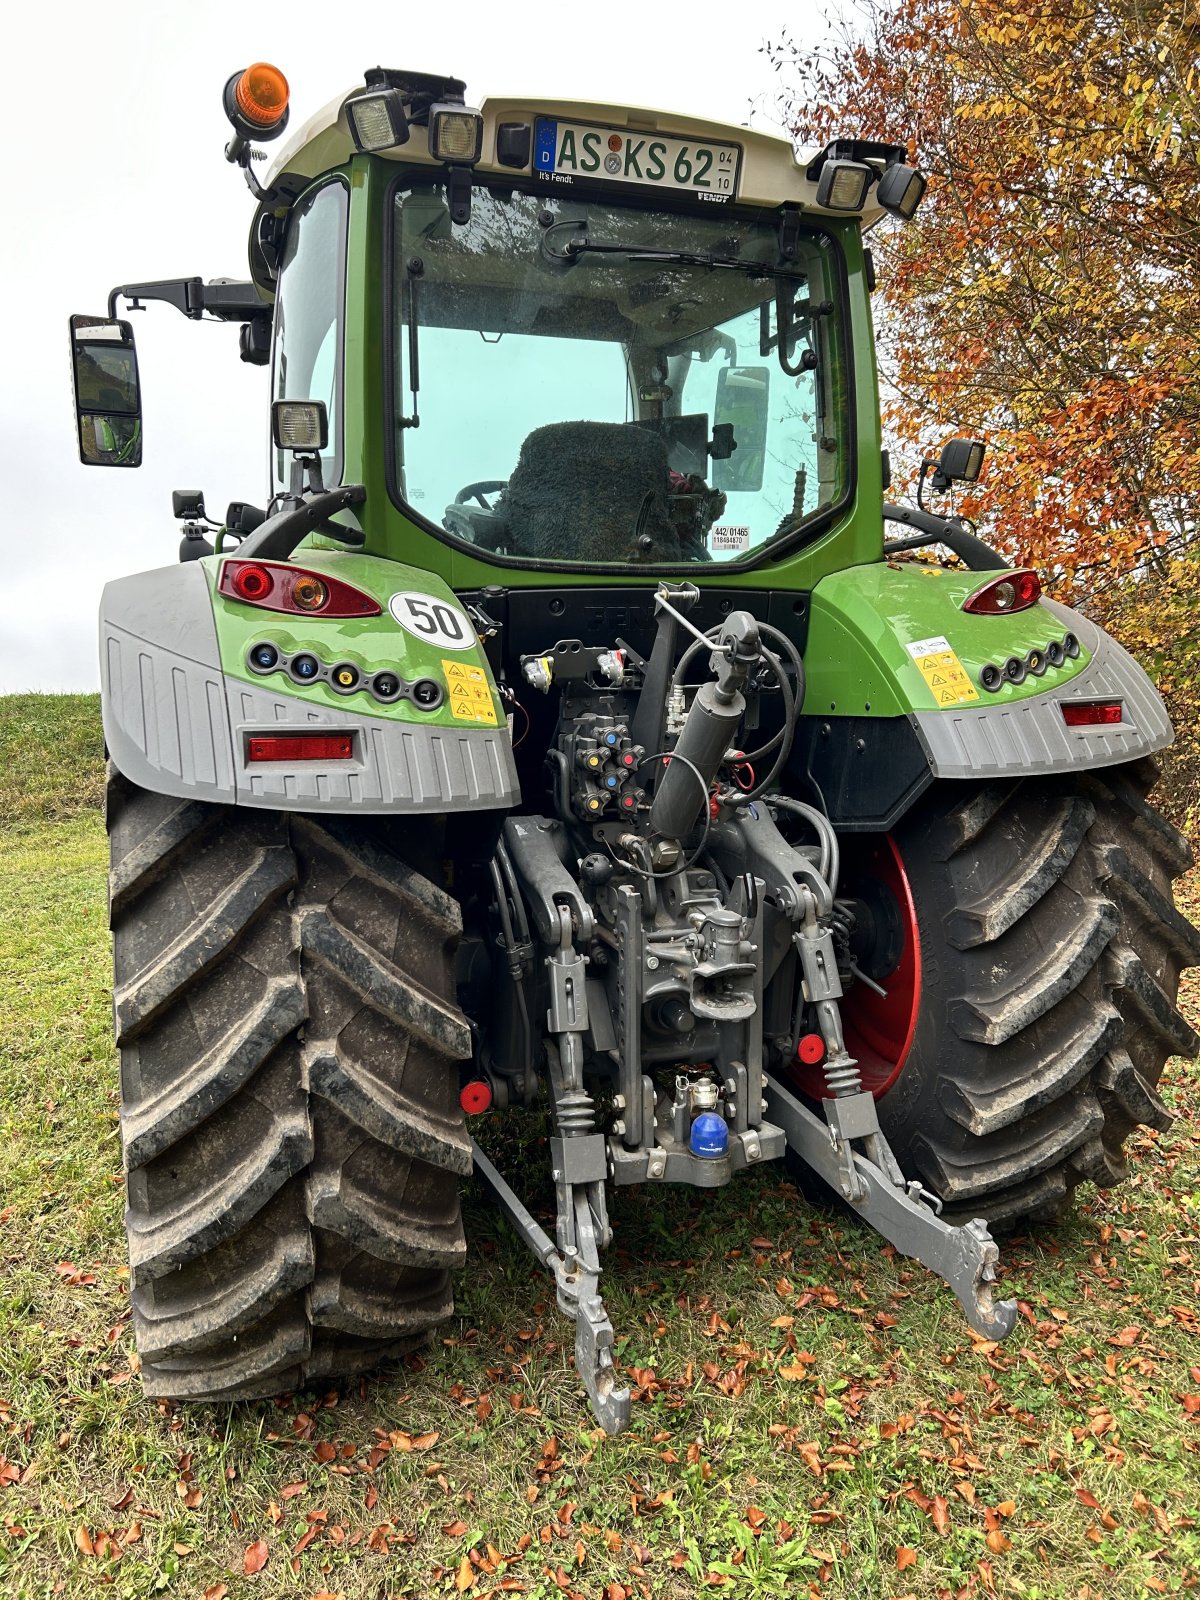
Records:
x=379, y=117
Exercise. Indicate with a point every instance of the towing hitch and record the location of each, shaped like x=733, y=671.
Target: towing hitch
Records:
x=965, y=1257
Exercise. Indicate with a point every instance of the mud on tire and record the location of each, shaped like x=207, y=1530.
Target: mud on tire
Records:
x=285, y=1012
x=1051, y=952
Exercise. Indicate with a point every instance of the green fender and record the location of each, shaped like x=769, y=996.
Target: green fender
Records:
x=896, y=694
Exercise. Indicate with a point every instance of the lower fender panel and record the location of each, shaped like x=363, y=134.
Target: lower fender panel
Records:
x=176, y=724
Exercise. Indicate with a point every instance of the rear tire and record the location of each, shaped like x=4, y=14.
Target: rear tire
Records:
x=1050, y=958
x=284, y=1001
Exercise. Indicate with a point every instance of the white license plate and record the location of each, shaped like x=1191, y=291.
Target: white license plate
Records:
x=575, y=152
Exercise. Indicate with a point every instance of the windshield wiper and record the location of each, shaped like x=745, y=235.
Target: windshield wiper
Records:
x=575, y=248
x=684, y=258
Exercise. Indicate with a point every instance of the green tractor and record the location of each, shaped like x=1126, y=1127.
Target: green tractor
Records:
x=573, y=727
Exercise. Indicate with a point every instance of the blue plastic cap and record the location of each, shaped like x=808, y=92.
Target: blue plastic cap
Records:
x=710, y=1135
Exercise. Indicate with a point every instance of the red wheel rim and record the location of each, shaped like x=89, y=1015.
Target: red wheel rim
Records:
x=879, y=1032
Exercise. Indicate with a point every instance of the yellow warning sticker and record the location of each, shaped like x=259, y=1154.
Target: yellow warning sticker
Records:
x=943, y=672
x=470, y=697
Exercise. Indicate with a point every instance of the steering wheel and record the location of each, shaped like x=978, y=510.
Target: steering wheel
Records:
x=480, y=491
x=482, y=523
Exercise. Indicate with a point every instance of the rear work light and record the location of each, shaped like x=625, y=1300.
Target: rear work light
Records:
x=843, y=185
x=377, y=119
x=455, y=134
x=300, y=747
x=1091, y=713
x=1012, y=591
x=278, y=586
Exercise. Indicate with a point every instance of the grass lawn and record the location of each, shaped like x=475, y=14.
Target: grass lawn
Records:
x=811, y=1415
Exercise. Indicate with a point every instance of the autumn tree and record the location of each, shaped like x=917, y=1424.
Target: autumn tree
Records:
x=1046, y=297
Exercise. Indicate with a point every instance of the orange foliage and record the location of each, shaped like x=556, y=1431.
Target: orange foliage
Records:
x=1045, y=297
x=1158, y=619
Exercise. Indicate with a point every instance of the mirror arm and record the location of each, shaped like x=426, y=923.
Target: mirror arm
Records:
x=228, y=302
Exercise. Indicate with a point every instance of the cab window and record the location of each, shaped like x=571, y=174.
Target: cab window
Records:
x=310, y=318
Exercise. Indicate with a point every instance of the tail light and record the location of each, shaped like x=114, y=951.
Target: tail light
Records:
x=277, y=586
x=1011, y=591
x=1091, y=713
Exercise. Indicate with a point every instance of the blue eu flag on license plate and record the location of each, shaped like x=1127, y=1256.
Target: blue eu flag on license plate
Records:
x=545, y=144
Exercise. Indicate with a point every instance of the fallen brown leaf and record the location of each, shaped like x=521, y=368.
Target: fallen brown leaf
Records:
x=255, y=1558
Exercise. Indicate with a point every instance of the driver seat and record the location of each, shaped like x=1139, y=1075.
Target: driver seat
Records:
x=591, y=491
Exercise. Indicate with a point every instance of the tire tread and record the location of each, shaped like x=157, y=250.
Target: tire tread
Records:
x=293, y=1140
x=1058, y=978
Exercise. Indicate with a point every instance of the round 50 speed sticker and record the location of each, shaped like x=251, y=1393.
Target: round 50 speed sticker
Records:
x=434, y=621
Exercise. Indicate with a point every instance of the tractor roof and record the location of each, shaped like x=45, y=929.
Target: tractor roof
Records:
x=772, y=172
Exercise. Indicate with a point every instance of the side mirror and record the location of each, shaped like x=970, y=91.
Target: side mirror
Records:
x=740, y=418
x=961, y=461
x=108, y=403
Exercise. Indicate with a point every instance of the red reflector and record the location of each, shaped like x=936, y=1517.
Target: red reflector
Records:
x=1011, y=591
x=300, y=747
x=476, y=1097
x=1091, y=713
x=811, y=1049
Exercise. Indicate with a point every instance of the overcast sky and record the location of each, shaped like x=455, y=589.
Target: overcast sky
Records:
x=116, y=133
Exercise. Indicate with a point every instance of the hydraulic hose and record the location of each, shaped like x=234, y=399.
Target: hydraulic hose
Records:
x=831, y=852
x=786, y=734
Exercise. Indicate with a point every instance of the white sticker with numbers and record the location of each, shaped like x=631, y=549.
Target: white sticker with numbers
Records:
x=730, y=536
x=435, y=621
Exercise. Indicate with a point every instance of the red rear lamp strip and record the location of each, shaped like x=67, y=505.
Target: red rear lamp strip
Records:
x=1005, y=593
x=269, y=585
x=300, y=747
x=1091, y=713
